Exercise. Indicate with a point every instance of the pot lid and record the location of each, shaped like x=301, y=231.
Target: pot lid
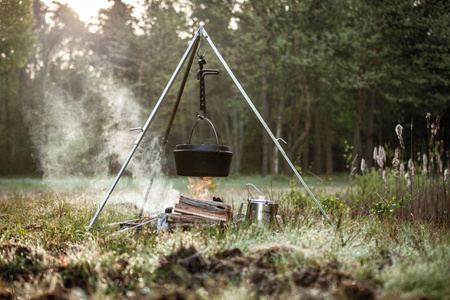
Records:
x=203, y=147
x=264, y=201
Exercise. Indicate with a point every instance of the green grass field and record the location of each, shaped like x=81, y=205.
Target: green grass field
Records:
x=46, y=252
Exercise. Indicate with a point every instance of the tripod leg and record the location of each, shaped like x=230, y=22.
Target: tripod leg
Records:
x=264, y=124
x=147, y=124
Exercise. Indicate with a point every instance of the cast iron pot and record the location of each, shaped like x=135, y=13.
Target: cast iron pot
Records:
x=203, y=160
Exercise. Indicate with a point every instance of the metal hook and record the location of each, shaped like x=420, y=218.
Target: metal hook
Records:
x=137, y=128
x=280, y=139
x=198, y=49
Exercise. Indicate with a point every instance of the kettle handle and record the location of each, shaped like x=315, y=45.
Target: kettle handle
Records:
x=204, y=118
x=248, y=189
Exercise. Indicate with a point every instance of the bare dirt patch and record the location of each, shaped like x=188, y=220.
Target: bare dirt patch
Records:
x=265, y=271
x=261, y=271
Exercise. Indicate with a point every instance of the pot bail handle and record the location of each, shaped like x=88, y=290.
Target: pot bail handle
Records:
x=198, y=120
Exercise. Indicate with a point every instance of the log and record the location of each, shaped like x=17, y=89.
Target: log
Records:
x=205, y=204
x=212, y=210
x=190, y=219
x=186, y=225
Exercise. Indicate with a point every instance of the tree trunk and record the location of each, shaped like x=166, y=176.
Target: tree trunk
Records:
x=357, y=148
x=235, y=134
x=369, y=136
x=304, y=135
x=304, y=159
x=328, y=146
x=240, y=143
x=280, y=101
x=140, y=83
x=276, y=152
x=5, y=134
x=317, y=133
x=265, y=113
x=370, y=117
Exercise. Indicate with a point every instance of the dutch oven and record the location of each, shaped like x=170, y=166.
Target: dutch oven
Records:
x=203, y=160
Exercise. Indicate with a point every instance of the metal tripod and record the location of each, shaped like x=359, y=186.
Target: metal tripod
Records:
x=192, y=48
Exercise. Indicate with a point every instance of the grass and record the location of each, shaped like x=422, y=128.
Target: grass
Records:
x=265, y=184
x=45, y=251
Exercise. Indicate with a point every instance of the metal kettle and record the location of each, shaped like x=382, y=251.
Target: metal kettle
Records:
x=260, y=211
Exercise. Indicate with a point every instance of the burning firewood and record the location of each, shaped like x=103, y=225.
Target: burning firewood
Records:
x=213, y=210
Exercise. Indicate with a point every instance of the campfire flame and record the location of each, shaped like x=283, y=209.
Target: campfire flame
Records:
x=199, y=187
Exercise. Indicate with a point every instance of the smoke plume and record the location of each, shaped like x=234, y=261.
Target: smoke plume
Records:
x=87, y=134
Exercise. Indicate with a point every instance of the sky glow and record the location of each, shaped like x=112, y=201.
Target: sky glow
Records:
x=88, y=9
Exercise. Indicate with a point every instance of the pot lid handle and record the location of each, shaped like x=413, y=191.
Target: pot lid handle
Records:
x=204, y=118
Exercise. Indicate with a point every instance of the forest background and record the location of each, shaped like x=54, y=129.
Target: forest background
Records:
x=331, y=77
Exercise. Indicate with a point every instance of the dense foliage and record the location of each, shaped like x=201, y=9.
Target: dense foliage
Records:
x=324, y=74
